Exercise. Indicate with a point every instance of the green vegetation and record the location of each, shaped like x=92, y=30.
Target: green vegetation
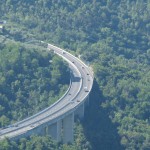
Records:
x=28, y=81
x=34, y=143
x=46, y=143
x=114, y=37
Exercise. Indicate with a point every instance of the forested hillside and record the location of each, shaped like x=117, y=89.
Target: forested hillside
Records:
x=28, y=81
x=114, y=38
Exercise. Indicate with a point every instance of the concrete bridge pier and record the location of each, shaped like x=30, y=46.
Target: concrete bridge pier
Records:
x=80, y=111
x=43, y=131
x=68, y=126
x=59, y=130
x=40, y=130
x=55, y=130
x=52, y=129
x=87, y=101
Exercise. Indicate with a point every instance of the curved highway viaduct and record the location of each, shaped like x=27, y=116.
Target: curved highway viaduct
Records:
x=58, y=119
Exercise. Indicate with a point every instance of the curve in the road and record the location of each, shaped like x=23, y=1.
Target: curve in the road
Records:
x=80, y=87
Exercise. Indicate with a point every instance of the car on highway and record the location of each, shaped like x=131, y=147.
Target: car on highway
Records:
x=63, y=52
x=86, y=89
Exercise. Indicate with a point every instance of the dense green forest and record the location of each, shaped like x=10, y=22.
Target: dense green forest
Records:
x=114, y=38
x=28, y=81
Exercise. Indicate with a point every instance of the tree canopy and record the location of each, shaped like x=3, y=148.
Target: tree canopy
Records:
x=28, y=81
x=111, y=36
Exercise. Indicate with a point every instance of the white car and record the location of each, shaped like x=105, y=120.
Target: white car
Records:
x=86, y=89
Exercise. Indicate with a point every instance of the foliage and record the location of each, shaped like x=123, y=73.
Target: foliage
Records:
x=34, y=143
x=28, y=81
x=113, y=36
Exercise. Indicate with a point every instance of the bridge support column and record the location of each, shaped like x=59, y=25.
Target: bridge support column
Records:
x=68, y=123
x=54, y=130
x=42, y=131
x=80, y=111
x=87, y=101
x=59, y=130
